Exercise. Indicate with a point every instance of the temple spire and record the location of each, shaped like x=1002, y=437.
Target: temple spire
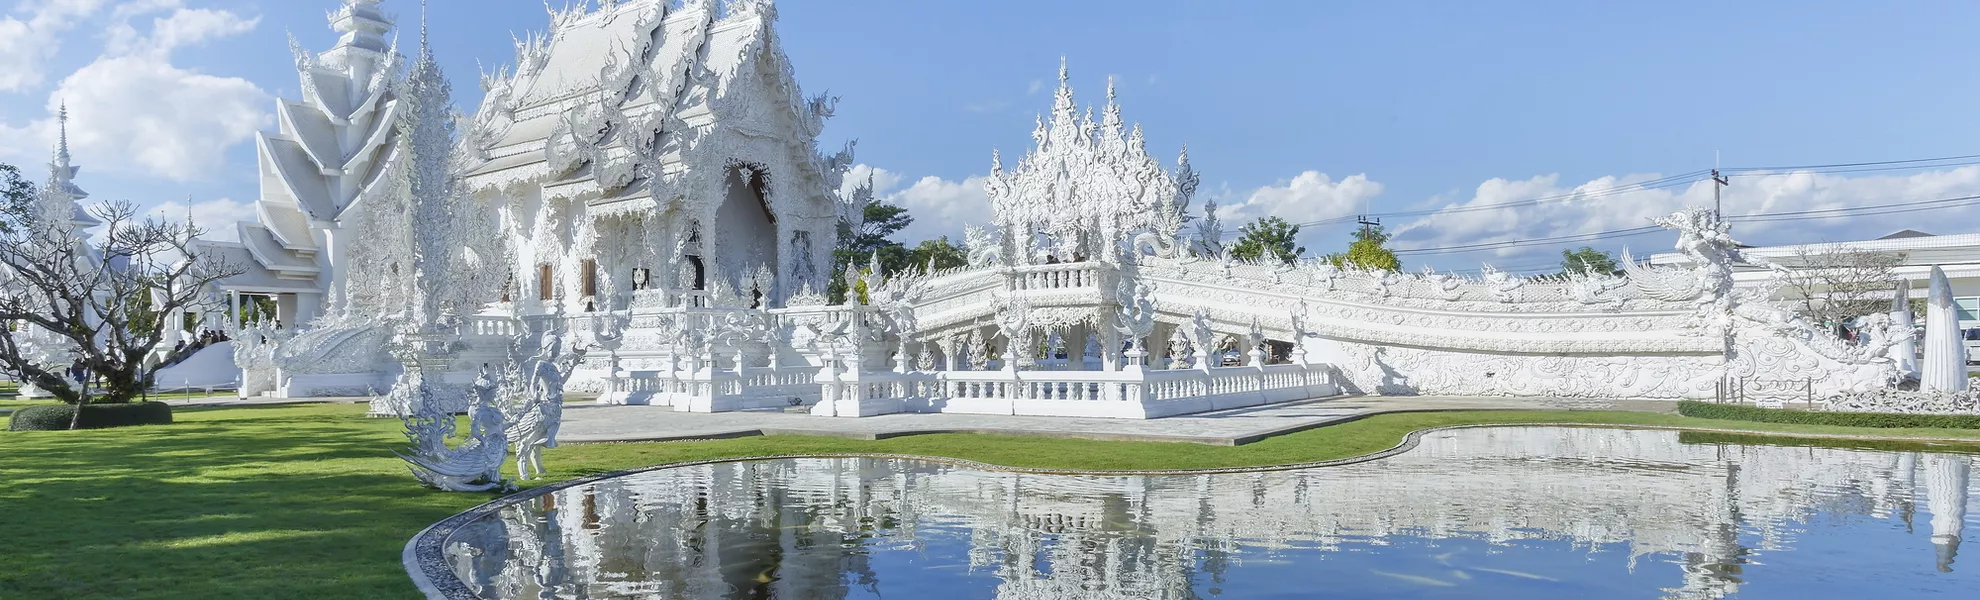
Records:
x=62, y=159
x=423, y=47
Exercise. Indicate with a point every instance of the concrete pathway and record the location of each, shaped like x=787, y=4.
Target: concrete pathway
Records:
x=591, y=423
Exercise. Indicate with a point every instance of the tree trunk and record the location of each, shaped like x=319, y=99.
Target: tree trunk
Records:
x=82, y=399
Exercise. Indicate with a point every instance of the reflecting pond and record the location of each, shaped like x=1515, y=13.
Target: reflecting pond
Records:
x=1471, y=513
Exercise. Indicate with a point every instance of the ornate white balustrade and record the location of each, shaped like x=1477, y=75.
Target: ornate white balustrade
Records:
x=1062, y=276
x=489, y=326
x=715, y=390
x=1129, y=394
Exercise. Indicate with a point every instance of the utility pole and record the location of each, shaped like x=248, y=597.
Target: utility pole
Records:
x=1366, y=223
x=1718, y=182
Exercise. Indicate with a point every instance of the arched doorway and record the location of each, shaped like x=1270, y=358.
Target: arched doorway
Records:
x=745, y=232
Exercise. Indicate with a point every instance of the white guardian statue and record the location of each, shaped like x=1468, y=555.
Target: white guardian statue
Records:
x=539, y=406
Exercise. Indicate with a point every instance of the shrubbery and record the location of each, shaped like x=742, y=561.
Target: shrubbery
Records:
x=56, y=417
x=1739, y=412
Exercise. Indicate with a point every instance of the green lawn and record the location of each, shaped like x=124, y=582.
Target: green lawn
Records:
x=308, y=502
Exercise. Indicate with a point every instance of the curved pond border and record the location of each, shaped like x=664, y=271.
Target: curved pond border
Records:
x=425, y=557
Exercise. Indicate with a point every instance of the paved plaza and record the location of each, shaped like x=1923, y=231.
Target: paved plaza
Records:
x=591, y=423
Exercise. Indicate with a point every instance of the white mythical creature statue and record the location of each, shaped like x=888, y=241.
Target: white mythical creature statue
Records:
x=254, y=352
x=539, y=405
x=475, y=465
x=1505, y=286
x=1707, y=242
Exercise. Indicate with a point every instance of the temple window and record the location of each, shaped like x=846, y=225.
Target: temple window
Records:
x=700, y=274
x=589, y=272
x=546, y=286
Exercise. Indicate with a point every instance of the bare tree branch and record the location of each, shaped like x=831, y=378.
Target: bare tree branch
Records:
x=1833, y=285
x=68, y=298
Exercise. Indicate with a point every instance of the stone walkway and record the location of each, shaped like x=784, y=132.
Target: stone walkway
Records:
x=591, y=423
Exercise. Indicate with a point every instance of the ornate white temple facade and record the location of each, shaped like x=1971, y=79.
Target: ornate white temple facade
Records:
x=647, y=183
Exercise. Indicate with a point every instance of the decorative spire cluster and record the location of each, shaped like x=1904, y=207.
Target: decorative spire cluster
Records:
x=1087, y=185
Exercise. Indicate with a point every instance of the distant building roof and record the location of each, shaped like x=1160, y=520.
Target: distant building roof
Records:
x=1908, y=233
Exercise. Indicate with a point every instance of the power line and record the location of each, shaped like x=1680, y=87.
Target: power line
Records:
x=1804, y=215
x=1579, y=237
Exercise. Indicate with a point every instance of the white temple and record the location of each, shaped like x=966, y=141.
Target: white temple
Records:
x=647, y=182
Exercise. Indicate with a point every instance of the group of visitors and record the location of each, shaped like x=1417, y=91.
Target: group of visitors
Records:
x=181, y=350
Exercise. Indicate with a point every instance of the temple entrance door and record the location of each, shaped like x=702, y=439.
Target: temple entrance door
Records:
x=745, y=233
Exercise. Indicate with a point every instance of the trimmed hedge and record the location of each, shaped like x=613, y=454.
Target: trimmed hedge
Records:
x=56, y=417
x=1741, y=412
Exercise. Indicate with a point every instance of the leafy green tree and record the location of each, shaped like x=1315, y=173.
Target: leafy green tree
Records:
x=17, y=198
x=1589, y=260
x=858, y=245
x=1268, y=237
x=938, y=254
x=1368, y=251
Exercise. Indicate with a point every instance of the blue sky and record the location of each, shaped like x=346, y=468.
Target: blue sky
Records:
x=1306, y=110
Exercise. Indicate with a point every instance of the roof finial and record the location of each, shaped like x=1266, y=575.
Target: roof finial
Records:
x=62, y=145
x=422, y=27
x=1062, y=69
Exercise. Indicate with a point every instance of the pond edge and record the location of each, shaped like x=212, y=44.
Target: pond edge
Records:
x=424, y=557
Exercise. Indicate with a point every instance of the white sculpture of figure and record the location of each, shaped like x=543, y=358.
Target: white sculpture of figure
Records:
x=475, y=465
x=976, y=350
x=1136, y=319
x=1945, y=349
x=1179, y=349
x=1906, y=350
x=540, y=409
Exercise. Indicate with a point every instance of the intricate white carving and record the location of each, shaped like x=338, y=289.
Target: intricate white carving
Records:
x=475, y=465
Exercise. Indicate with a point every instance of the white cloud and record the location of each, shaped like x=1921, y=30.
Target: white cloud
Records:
x=942, y=207
x=132, y=108
x=170, y=122
x=939, y=206
x=1310, y=196
x=27, y=44
x=216, y=218
x=1036, y=85
x=182, y=28
x=1598, y=206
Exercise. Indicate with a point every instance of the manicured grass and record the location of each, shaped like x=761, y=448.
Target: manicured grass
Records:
x=308, y=502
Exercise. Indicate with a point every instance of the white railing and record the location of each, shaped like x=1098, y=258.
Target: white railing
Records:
x=1120, y=394
x=488, y=326
x=1056, y=277
x=715, y=390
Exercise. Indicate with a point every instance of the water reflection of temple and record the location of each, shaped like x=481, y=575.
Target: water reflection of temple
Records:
x=802, y=528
